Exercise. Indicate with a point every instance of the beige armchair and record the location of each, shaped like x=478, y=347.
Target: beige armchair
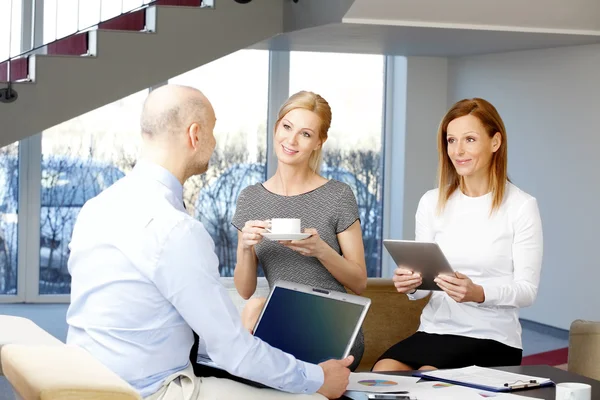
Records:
x=584, y=348
x=41, y=367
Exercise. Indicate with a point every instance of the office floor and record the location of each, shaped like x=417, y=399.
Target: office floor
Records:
x=536, y=339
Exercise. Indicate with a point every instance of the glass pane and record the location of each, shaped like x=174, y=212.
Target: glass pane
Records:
x=9, y=223
x=10, y=28
x=353, y=85
x=239, y=97
x=80, y=158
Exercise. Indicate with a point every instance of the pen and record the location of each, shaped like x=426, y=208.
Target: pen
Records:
x=524, y=386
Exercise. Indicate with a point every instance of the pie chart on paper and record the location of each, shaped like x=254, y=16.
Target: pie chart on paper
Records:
x=377, y=382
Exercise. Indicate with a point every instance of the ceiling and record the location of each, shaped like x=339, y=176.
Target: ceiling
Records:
x=417, y=40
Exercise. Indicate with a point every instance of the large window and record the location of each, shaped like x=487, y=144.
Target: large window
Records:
x=9, y=207
x=10, y=28
x=237, y=86
x=353, y=85
x=80, y=158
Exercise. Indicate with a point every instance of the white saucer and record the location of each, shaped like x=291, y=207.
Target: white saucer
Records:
x=286, y=236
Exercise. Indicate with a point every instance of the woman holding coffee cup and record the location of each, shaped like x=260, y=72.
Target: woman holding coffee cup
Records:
x=332, y=257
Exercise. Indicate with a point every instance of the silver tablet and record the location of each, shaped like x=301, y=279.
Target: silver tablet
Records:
x=423, y=257
x=312, y=324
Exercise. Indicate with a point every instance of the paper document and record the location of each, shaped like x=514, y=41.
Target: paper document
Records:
x=380, y=383
x=487, y=378
x=433, y=390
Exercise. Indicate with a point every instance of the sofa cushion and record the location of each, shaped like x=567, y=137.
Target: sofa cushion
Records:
x=392, y=317
x=61, y=372
x=17, y=330
x=584, y=348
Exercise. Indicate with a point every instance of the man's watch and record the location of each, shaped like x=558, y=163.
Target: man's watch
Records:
x=413, y=292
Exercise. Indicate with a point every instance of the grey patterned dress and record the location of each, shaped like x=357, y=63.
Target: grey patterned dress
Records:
x=330, y=209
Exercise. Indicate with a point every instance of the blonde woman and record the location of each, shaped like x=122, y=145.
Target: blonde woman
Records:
x=491, y=233
x=333, y=256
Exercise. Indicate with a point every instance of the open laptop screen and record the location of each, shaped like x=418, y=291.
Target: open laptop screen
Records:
x=313, y=325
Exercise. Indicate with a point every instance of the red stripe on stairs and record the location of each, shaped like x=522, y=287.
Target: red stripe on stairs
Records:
x=19, y=68
x=134, y=21
x=75, y=45
x=182, y=3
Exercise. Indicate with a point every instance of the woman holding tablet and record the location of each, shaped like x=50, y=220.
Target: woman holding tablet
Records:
x=491, y=233
x=332, y=257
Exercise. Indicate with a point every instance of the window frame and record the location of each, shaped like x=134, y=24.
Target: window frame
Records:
x=30, y=156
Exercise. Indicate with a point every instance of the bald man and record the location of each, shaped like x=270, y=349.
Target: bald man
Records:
x=145, y=274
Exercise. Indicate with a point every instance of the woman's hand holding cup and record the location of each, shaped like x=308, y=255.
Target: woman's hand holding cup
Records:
x=251, y=233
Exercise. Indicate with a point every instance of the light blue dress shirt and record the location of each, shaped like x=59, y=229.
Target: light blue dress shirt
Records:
x=144, y=274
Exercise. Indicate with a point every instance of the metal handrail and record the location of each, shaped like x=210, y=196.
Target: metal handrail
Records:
x=79, y=30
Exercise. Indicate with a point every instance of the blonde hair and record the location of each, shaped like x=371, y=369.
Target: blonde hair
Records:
x=448, y=178
x=312, y=102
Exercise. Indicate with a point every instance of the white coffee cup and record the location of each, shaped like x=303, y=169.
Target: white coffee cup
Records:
x=573, y=391
x=285, y=225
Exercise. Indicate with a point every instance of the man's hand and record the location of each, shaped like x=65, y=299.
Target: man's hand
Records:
x=336, y=375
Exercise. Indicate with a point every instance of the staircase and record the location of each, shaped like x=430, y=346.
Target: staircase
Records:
x=147, y=46
x=126, y=54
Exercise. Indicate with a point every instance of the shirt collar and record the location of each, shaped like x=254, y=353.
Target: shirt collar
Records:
x=154, y=171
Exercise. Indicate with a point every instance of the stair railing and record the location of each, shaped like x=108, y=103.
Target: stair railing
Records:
x=8, y=94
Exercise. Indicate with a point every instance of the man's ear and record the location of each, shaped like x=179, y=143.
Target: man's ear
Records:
x=193, y=134
x=496, y=141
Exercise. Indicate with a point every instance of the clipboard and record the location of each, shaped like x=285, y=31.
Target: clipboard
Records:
x=489, y=379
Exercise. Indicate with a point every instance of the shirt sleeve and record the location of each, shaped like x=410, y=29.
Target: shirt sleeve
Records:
x=424, y=232
x=186, y=273
x=527, y=250
x=347, y=209
x=241, y=215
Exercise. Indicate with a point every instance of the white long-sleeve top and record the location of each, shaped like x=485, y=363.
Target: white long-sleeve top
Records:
x=502, y=252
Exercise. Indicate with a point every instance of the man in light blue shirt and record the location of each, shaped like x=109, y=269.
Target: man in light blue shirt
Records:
x=145, y=274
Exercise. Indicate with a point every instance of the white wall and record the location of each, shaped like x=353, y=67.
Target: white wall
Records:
x=426, y=95
x=550, y=102
x=414, y=108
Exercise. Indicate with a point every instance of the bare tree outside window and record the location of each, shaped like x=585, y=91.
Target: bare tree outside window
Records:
x=361, y=169
x=212, y=198
x=9, y=197
x=68, y=182
x=353, y=85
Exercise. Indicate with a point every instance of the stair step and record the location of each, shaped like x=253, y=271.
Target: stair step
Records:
x=184, y=3
x=19, y=69
x=74, y=45
x=133, y=21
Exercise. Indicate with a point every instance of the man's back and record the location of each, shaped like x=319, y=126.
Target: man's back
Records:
x=117, y=312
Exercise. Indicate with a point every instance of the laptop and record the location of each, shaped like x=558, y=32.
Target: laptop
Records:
x=426, y=258
x=312, y=324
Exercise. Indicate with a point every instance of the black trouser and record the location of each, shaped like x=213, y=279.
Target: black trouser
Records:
x=206, y=371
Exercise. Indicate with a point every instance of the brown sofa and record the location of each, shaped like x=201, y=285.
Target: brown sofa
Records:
x=39, y=367
x=391, y=318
